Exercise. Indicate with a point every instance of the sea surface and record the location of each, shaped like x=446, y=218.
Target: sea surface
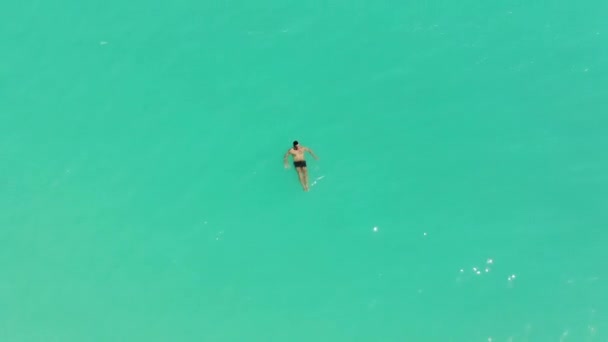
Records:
x=460, y=194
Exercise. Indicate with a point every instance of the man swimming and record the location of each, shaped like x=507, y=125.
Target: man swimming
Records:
x=299, y=162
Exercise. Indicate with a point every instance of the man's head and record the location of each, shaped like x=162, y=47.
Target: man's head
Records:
x=295, y=144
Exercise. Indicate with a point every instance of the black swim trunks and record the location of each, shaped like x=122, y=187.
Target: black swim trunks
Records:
x=299, y=163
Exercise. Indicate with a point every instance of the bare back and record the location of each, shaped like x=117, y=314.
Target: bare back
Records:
x=298, y=154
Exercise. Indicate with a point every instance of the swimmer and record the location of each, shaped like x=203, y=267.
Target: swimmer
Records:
x=299, y=162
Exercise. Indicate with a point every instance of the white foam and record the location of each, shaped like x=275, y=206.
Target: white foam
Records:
x=316, y=180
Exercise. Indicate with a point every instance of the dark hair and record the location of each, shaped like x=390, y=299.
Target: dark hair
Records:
x=295, y=142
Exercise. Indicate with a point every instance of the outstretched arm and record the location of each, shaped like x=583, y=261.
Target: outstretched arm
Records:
x=285, y=159
x=312, y=153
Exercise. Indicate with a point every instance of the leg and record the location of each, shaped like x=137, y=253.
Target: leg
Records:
x=302, y=179
x=305, y=172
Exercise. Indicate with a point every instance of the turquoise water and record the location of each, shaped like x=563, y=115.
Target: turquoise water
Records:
x=144, y=198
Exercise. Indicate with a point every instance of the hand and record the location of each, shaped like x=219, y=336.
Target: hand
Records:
x=286, y=166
